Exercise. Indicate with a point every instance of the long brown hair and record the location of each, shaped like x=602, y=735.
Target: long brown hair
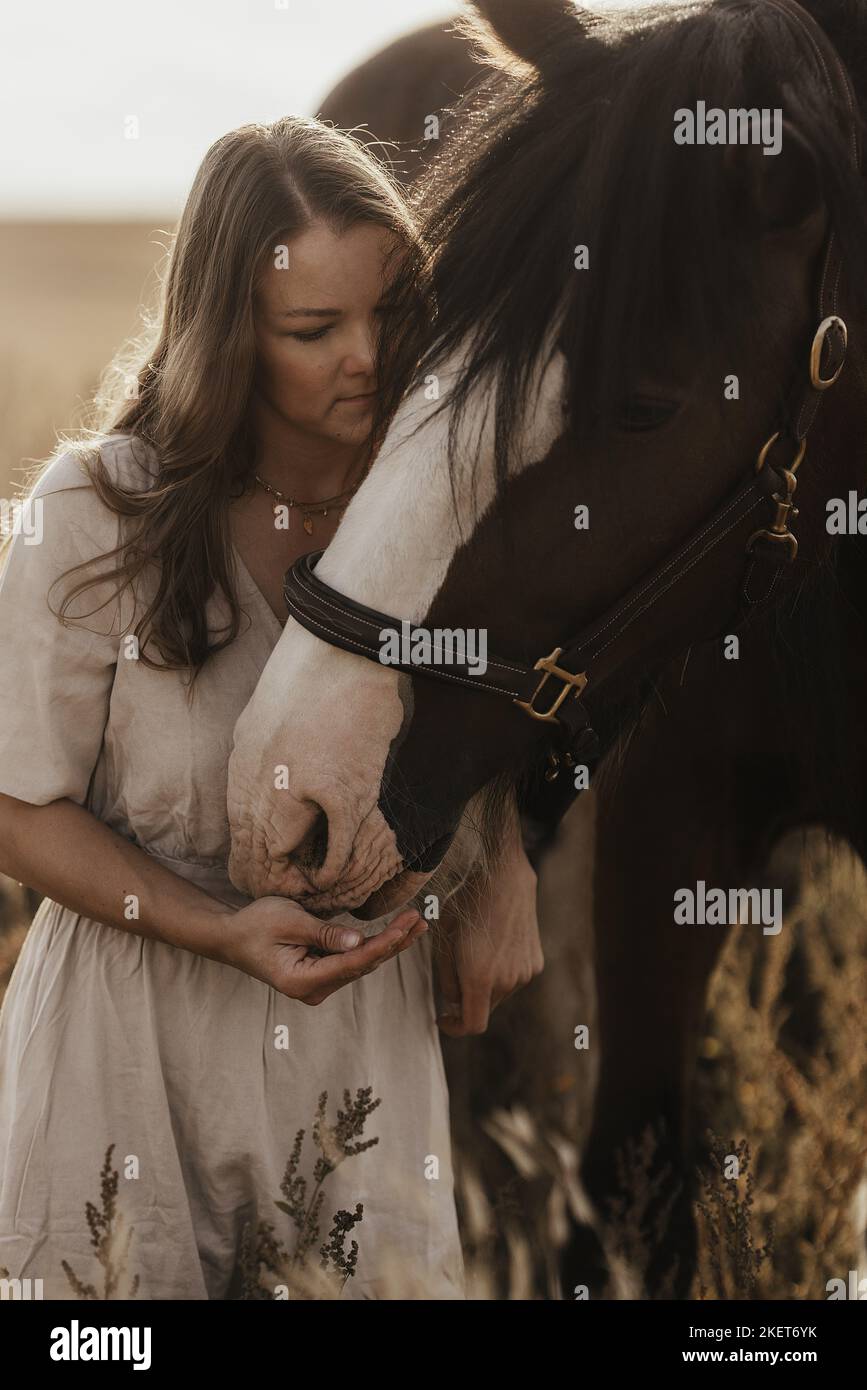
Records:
x=192, y=379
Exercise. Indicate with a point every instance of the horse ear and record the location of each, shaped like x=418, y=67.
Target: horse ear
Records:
x=783, y=191
x=512, y=34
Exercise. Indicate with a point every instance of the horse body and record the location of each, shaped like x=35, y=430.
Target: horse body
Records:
x=726, y=763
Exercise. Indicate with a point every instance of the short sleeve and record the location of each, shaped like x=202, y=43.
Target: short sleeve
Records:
x=56, y=676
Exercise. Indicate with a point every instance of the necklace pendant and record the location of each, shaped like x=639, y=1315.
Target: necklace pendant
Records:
x=308, y=525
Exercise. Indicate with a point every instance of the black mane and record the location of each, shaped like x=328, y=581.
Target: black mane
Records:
x=582, y=151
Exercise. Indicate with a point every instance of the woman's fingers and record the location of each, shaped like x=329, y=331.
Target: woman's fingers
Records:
x=336, y=937
x=475, y=1011
x=330, y=973
x=302, y=929
x=323, y=975
x=449, y=987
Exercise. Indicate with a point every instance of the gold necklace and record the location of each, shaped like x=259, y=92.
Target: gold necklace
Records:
x=310, y=509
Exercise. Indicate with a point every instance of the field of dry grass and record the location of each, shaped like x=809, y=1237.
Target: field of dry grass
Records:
x=783, y=1073
x=70, y=293
x=782, y=1082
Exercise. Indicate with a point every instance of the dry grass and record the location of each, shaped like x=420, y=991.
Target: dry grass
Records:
x=784, y=1072
x=267, y=1264
x=786, y=1066
x=70, y=295
x=111, y=1239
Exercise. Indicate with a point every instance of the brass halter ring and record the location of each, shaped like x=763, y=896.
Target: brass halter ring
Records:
x=766, y=449
x=817, y=381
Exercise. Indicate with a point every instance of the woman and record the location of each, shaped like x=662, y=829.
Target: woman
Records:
x=154, y=1021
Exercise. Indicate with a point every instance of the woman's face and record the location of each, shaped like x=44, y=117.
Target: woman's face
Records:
x=317, y=317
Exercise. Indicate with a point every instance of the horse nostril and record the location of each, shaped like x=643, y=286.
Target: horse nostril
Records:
x=311, y=852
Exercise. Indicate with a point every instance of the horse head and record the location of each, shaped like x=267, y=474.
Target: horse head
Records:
x=639, y=307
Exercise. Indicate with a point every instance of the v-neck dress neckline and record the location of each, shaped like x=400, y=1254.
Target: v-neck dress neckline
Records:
x=255, y=591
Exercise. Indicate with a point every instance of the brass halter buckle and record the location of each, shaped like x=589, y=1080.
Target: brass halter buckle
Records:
x=835, y=324
x=572, y=682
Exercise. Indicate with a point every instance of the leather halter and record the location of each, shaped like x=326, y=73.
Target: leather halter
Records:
x=552, y=690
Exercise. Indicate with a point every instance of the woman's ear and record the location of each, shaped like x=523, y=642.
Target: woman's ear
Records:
x=779, y=193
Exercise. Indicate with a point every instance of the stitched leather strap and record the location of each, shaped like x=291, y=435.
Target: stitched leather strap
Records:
x=345, y=623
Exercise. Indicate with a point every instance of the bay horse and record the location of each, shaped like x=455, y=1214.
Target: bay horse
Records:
x=610, y=377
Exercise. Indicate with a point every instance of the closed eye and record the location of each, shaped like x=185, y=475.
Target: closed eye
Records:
x=316, y=334
x=311, y=337
x=642, y=413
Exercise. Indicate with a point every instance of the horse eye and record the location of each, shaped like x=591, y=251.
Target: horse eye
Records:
x=641, y=413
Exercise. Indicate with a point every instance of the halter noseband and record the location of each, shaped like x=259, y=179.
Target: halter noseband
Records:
x=552, y=690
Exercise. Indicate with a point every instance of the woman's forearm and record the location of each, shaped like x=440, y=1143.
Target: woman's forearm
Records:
x=66, y=853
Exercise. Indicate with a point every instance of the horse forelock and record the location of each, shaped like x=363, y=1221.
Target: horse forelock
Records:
x=582, y=154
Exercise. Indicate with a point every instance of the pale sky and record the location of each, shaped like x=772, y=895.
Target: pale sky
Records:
x=73, y=71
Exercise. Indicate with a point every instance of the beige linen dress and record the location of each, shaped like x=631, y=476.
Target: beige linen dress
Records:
x=199, y=1075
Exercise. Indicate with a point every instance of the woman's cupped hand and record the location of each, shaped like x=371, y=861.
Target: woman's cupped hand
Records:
x=276, y=941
